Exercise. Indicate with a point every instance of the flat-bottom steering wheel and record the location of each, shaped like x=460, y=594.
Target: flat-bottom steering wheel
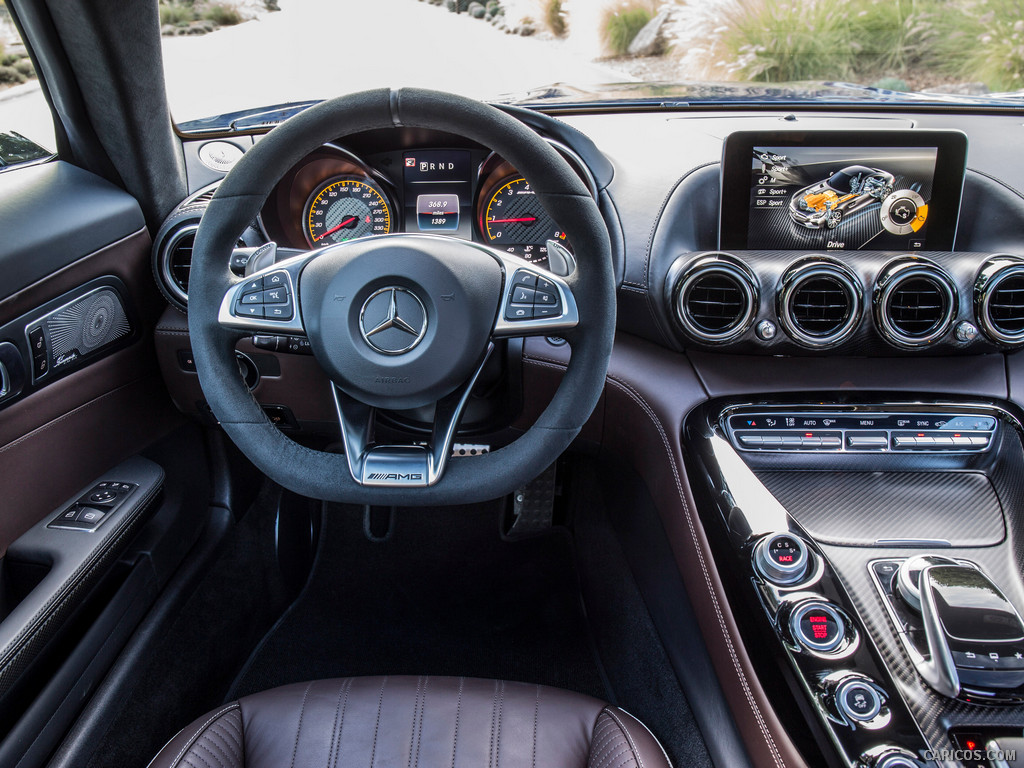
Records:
x=401, y=321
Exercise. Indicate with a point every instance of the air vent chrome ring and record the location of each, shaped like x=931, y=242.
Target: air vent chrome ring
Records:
x=714, y=298
x=903, y=314
x=999, y=292
x=822, y=287
x=165, y=262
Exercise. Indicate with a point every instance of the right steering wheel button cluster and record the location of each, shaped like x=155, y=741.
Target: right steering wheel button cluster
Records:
x=532, y=296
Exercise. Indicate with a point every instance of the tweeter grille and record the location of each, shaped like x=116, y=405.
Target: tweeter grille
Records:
x=715, y=298
x=819, y=302
x=915, y=302
x=80, y=328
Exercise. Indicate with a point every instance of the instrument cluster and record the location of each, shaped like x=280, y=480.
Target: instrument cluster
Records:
x=333, y=195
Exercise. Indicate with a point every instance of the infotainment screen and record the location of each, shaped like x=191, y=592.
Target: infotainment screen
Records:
x=880, y=191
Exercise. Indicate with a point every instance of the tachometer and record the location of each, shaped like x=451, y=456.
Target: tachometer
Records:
x=344, y=208
x=514, y=221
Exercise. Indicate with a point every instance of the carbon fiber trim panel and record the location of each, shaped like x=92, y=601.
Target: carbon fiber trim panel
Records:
x=860, y=508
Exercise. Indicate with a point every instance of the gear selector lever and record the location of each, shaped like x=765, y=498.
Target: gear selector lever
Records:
x=975, y=637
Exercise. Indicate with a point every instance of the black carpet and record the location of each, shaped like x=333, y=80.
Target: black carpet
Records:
x=444, y=595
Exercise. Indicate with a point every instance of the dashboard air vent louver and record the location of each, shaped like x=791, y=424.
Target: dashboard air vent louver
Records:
x=715, y=298
x=915, y=302
x=819, y=303
x=999, y=300
x=180, y=261
x=174, y=262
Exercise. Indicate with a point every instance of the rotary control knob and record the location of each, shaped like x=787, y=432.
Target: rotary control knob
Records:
x=782, y=559
x=890, y=756
x=908, y=577
x=857, y=699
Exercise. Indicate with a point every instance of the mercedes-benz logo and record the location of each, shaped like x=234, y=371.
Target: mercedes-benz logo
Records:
x=393, y=320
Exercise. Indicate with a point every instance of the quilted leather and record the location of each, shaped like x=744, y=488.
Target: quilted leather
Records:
x=414, y=722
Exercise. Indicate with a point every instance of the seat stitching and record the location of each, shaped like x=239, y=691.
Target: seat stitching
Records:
x=620, y=747
x=213, y=748
x=423, y=709
x=458, y=715
x=339, y=708
x=494, y=712
x=202, y=728
x=415, y=711
x=629, y=738
x=376, y=728
x=298, y=729
x=536, y=713
x=193, y=755
x=497, y=743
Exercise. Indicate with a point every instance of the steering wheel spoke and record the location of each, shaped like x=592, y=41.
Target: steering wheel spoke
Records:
x=266, y=301
x=535, y=302
x=401, y=466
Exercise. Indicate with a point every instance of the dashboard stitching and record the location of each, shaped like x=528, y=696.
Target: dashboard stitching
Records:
x=640, y=401
x=657, y=220
x=1000, y=182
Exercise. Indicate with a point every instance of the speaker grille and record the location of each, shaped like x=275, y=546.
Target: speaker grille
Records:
x=87, y=325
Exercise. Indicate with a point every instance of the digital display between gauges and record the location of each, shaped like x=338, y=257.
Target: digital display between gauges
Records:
x=437, y=213
x=344, y=208
x=438, y=191
x=513, y=220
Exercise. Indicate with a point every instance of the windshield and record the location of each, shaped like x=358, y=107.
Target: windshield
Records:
x=228, y=57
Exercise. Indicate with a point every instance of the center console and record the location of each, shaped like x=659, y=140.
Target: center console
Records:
x=874, y=553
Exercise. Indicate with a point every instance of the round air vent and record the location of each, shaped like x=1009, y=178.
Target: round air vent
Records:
x=715, y=298
x=819, y=303
x=176, y=260
x=915, y=302
x=999, y=300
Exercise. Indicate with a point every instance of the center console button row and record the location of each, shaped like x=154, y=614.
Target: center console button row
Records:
x=797, y=440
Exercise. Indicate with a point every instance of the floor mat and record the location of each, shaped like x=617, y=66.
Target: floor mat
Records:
x=444, y=595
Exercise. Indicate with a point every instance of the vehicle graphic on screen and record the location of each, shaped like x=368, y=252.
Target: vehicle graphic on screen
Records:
x=825, y=204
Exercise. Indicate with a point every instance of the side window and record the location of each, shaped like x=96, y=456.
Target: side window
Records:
x=26, y=127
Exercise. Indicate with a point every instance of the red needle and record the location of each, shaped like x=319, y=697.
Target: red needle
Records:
x=512, y=221
x=332, y=230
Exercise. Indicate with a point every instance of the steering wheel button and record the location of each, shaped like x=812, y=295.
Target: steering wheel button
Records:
x=518, y=312
x=540, y=311
x=275, y=280
x=250, y=310
x=525, y=278
x=252, y=298
x=543, y=297
x=275, y=296
x=253, y=285
x=522, y=295
x=279, y=311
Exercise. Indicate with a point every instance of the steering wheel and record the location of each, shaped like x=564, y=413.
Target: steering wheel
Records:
x=401, y=321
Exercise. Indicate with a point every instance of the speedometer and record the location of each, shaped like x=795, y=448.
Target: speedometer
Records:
x=344, y=208
x=514, y=221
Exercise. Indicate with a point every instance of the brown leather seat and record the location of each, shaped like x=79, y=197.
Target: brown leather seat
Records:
x=414, y=722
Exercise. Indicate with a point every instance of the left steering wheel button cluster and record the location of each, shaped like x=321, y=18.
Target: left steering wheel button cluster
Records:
x=267, y=297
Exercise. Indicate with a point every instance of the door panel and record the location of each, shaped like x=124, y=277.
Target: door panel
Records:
x=68, y=429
